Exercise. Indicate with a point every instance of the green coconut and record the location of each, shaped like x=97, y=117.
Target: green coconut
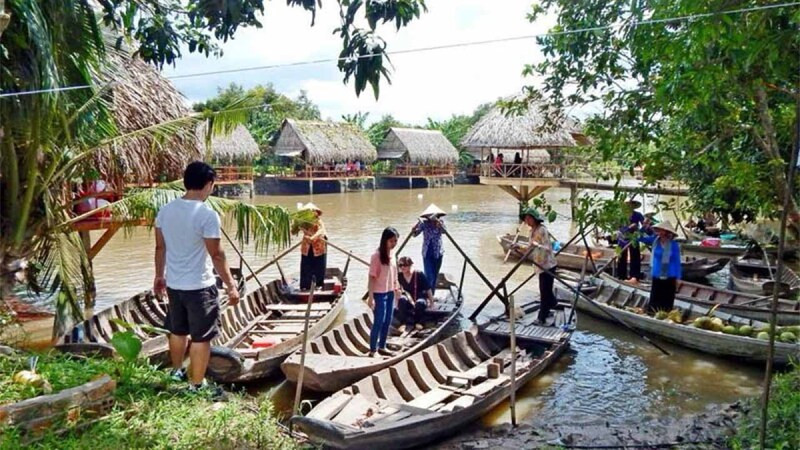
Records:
x=661, y=315
x=729, y=329
x=763, y=335
x=787, y=336
x=745, y=330
x=716, y=324
x=702, y=322
x=676, y=315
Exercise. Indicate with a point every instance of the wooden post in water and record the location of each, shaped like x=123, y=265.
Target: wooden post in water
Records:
x=299, y=389
x=512, y=318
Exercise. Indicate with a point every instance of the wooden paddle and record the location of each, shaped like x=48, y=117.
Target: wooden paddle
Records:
x=511, y=248
x=299, y=389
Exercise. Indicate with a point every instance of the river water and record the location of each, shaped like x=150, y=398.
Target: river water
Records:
x=609, y=375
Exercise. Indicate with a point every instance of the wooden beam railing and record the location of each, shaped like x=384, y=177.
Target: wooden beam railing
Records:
x=234, y=173
x=328, y=172
x=411, y=170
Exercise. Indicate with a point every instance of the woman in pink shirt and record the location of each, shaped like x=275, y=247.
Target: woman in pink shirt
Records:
x=382, y=287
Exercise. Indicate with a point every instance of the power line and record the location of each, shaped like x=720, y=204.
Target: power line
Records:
x=634, y=24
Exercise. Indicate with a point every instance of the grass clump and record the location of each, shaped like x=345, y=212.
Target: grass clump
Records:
x=783, y=416
x=151, y=411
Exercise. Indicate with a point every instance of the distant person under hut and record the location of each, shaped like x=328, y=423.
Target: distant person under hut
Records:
x=545, y=259
x=627, y=241
x=431, y=226
x=416, y=297
x=313, y=250
x=665, y=263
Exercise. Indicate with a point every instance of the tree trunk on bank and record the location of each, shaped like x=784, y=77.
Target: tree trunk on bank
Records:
x=768, y=142
x=5, y=18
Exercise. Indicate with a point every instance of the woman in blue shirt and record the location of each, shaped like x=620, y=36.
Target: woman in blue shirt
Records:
x=431, y=226
x=665, y=267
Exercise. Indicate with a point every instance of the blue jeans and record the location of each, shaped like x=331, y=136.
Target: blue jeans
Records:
x=432, y=266
x=384, y=304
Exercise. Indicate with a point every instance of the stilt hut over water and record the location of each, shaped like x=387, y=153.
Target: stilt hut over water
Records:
x=334, y=156
x=421, y=158
x=534, y=147
x=232, y=155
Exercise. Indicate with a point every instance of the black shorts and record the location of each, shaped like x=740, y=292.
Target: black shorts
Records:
x=193, y=313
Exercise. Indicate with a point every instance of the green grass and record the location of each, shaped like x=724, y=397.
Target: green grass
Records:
x=783, y=418
x=151, y=411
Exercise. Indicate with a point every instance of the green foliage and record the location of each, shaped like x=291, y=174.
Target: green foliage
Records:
x=376, y=132
x=709, y=102
x=783, y=426
x=127, y=345
x=151, y=410
x=358, y=119
x=456, y=127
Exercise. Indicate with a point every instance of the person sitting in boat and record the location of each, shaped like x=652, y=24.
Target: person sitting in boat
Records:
x=381, y=289
x=665, y=263
x=545, y=261
x=416, y=298
x=626, y=240
x=431, y=226
x=313, y=250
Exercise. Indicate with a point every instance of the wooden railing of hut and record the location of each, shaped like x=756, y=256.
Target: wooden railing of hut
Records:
x=525, y=170
x=234, y=174
x=330, y=172
x=416, y=170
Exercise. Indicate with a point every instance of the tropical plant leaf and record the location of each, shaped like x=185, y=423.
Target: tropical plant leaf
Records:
x=127, y=345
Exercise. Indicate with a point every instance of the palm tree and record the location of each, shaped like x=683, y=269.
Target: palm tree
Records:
x=51, y=139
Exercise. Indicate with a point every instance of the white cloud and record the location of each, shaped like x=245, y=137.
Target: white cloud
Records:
x=435, y=84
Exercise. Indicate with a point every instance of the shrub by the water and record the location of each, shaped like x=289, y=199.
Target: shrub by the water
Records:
x=783, y=418
x=151, y=411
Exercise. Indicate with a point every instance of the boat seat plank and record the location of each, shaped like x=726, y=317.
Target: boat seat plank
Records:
x=481, y=389
x=329, y=407
x=354, y=410
x=459, y=403
x=535, y=333
x=431, y=398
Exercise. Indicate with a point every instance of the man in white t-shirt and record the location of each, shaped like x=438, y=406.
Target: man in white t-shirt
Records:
x=188, y=246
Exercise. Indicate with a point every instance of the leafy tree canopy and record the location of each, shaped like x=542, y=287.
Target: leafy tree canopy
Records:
x=709, y=101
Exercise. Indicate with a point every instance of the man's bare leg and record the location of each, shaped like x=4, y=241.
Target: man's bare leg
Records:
x=177, y=350
x=199, y=354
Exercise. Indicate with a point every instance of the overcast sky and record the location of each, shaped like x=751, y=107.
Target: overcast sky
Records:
x=432, y=84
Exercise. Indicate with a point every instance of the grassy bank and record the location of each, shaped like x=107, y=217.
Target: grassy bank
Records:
x=151, y=411
x=783, y=419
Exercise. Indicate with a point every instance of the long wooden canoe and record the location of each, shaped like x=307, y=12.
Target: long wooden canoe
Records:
x=267, y=326
x=339, y=357
x=573, y=256
x=436, y=391
x=755, y=277
x=144, y=310
x=742, y=304
x=625, y=301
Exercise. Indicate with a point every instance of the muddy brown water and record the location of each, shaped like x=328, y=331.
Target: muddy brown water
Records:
x=609, y=375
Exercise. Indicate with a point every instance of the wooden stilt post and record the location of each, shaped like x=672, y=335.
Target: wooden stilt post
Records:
x=573, y=201
x=299, y=389
x=512, y=318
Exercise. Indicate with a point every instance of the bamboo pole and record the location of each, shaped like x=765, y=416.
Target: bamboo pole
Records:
x=273, y=261
x=348, y=253
x=299, y=389
x=241, y=258
x=502, y=283
x=469, y=261
x=511, y=249
x=512, y=318
x=773, y=313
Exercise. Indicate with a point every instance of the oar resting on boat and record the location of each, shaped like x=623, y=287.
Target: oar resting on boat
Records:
x=339, y=357
x=690, y=325
x=438, y=390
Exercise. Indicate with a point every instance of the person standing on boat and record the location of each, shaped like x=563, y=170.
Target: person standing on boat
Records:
x=665, y=263
x=632, y=252
x=382, y=287
x=313, y=250
x=431, y=226
x=416, y=298
x=188, y=249
x=545, y=259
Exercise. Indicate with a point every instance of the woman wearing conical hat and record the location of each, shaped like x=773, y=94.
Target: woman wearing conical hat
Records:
x=313, y=250
x=665, y=264
x=431, y=226
x=544, y=258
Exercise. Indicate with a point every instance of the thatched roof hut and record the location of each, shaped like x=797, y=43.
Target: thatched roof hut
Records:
x=323, y=142
x=140, y=97
x=530, y=130
x=416, y=146
x=236, y=148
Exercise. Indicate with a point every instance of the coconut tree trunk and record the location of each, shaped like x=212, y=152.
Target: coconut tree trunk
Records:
x=5, y=18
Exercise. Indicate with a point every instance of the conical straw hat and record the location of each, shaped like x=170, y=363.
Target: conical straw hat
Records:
x=666, y=226
x=312, y=207
x=433, y=210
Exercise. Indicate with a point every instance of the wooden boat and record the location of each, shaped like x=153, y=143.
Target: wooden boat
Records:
x=727, y=250
x=257, y=334
x=756, y=277
x=749, y=306
x=145, y=311
x=626, y=302
x=573, y=256
x=436, y=391
x=339, y=357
